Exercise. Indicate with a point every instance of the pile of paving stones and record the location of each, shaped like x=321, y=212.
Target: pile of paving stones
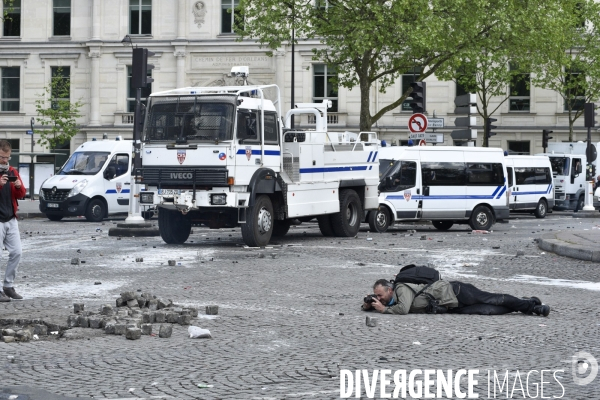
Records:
x=133, y=316
x=25, y=330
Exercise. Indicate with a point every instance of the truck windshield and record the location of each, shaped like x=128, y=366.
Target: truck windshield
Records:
x=384, y=167
x=560, y=165
x=84, y=163
x=185, y=119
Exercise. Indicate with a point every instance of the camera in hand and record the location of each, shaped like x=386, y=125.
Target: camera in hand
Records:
x=370, y=298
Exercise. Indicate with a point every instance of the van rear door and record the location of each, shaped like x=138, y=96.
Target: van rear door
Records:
x=400, y=188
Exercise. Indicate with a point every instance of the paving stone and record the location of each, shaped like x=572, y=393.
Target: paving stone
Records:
x=165, y=331
x=96, y=323
x=109, y=328
x=78, y=308
x=146, y=329
x=120, y=329
x=153, y=305
x=132, y=303
x=40, y=330
x=8, y=339
x=8, y=332
x=127, y=296
x=106, y=309
x=160, y=317
x=72, y=321
x=120, y=302
x=84, y=322
x=212, y=310
x=23, y=335
x=133, y=333
x=162, y=304
x=184, y=319
x=172, y=317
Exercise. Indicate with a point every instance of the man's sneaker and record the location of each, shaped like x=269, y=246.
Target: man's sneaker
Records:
x=10, y=292
x=4, y=298
x=542, y=310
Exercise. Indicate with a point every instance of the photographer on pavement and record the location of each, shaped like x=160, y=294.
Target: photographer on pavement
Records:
x=11, y=189
x=445, y=296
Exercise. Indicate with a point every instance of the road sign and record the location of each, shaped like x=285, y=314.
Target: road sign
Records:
x=435, y=122
x=428, y=137
x=29, y=132
x=422, y=143
x=417, y=123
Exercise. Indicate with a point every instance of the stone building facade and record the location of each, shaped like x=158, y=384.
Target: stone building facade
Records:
x=194, y=45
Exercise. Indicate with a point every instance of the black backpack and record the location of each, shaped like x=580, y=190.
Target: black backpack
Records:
x=417, y=275
x=421, y=275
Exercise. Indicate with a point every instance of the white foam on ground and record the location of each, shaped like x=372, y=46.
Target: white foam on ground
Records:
x=542, y=280
x=74, y=290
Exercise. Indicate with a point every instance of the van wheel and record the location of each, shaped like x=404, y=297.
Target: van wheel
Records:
x=95, y=211
x=147, y=214
x=174, y=227
x=280, y=228
x=258, y=228
x=347, y=222
x=481, y=219
x=580, y=204
x=379, y=220
x=541, y=210
x=54, y=217
x=325, y=225
x=442, y=225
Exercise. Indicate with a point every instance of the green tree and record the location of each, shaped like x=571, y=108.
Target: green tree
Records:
x=56, y=113
x=571, y=64
x=378, y=40
x=503, y=60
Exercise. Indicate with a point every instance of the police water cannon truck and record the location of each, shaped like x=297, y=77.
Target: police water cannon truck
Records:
x=224, y=157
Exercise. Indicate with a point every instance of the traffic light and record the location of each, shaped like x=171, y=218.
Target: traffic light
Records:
x=545, y=137
x=589, y=114
x=418, y=97
x=140, y=68
x=489, y=127
x=465, y=105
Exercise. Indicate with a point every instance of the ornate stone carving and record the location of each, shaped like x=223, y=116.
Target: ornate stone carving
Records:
x=199, y=11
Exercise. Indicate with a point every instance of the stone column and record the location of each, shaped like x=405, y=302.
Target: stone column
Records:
x=181, y=19
x=96, y=19
x=94, y=55
x=180, y=55
x=280, y=74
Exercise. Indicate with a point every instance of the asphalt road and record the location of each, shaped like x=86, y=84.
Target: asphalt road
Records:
x=289, y=316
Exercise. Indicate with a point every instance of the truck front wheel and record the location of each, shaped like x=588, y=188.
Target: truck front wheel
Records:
x=580, y=204
x=95, y=211
x=258, y=228
x=173, y=226
x=481, y=219
x=347, y=222
x=379, y=220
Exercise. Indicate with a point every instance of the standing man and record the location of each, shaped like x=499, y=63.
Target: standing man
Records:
x=11, y=189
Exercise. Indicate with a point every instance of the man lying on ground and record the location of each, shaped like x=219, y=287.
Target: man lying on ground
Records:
x=446, y=296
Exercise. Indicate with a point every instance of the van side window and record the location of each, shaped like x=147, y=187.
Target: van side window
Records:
x=408, y=177
x=485, y=174
x=443, y=174
x=509, y=171
x=120, y=162
x=543, y=176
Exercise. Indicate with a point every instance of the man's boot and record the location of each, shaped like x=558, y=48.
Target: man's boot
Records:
x=12, y=293
x=4, y=298
x=536, y=302
x=543, y=310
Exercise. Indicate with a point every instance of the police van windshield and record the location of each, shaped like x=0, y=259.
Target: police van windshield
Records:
x=560, y=165
x=384, y=167
x=183, y=119
x=84, y=163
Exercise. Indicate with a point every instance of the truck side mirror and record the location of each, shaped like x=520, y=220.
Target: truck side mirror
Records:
x=110, y=172
x=579, y=168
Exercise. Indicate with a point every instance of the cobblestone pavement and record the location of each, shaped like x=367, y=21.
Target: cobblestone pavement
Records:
x=289, y=316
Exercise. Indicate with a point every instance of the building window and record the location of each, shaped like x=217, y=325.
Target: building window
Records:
x=10, y=83
x=575, y=93
x=519, y=96
x=229, y=14
x=131, y=91
x=62, y=17
x=325, y=85
x=519, y=148
x=11, y=25
x=140, y=17
x=61, y=85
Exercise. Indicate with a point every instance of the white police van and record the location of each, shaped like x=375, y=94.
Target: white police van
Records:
x=446, y=185
x=530, y=184
x=94, y=182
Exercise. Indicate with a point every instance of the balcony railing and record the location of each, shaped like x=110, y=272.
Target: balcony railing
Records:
x=332, y=119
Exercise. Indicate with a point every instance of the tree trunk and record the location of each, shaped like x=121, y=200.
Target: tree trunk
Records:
x=365, y=102
x=571, y=122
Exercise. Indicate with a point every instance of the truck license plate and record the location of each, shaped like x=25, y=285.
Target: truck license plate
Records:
x=169, y=192
x=52, y=205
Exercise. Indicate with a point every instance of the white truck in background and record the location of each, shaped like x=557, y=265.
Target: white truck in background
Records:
x=220, y=156
x=569, y=164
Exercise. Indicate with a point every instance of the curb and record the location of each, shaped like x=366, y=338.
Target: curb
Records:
x=24, y=215
x=569, y=250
